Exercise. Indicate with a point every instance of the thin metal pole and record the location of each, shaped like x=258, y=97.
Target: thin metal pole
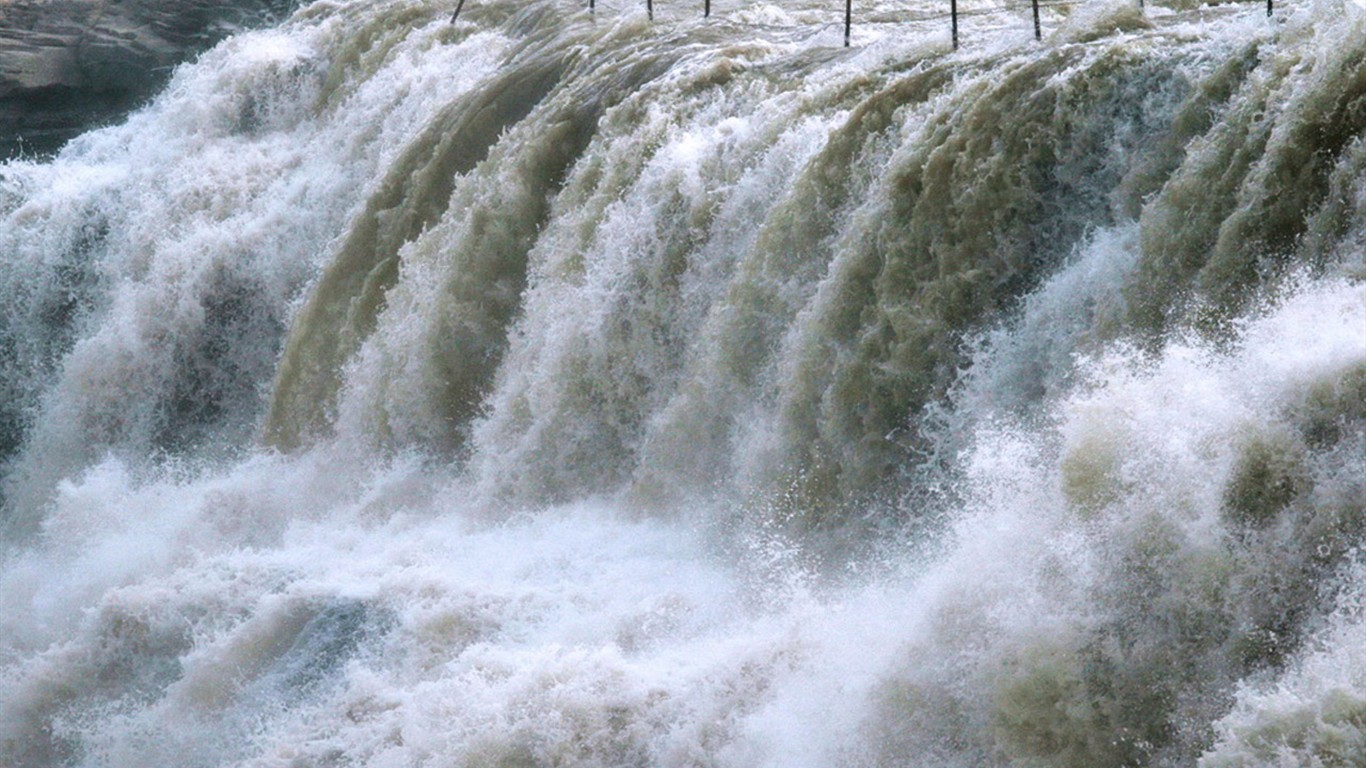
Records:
x=953, y=12
x=592, y=6
x=848, y=20
x=1038, y=33
x=650, y=9
x=706, y=9
x=1268, y=8
x=461, y=4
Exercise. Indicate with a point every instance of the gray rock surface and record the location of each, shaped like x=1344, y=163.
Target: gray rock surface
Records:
x=70, y=65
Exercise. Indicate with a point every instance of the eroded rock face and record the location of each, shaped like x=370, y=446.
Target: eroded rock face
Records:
x=70, y=65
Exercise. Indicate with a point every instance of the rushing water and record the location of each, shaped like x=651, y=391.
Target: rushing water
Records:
x=556, y=389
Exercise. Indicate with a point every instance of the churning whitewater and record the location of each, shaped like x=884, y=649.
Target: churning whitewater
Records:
x=555, y=388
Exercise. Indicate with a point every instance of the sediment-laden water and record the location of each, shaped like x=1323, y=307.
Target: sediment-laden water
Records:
x=562, y=389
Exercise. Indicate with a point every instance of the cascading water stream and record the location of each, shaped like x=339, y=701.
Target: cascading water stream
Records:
x=548, y=388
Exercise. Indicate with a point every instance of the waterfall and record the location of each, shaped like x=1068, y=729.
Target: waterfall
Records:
x=556, y=388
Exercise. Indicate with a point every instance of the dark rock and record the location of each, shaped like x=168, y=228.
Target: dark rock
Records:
x=67, y=66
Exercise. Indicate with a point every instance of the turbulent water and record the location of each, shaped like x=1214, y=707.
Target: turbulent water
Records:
x=550, y=388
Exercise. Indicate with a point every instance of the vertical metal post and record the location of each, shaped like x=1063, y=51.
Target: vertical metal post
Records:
x=592, y=6
x=848, y=20
x=1038, y=32
x=1268, y=8
x=953, y=12
x=706, y=9
x=461, y=4
x=650, y=9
